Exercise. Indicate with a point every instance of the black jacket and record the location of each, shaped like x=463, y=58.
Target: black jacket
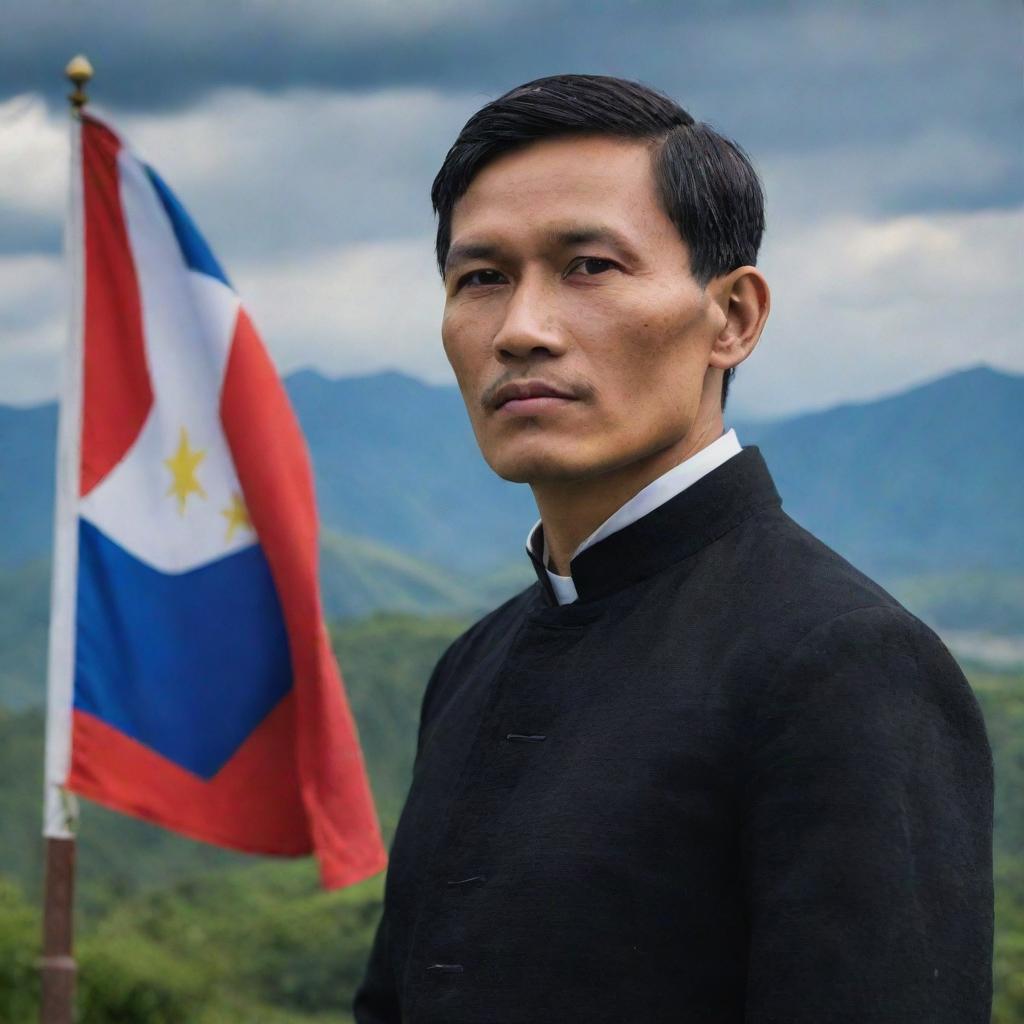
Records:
x=735, y=782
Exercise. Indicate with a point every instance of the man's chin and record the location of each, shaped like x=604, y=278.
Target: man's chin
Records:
x=541, y=467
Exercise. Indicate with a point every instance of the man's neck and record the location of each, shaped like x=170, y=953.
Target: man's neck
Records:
x=572, y=510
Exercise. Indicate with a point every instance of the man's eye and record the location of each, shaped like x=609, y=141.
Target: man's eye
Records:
x=593, y=265
x=478, y=277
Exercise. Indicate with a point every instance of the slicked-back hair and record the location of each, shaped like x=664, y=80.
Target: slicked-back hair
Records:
x=705, y=182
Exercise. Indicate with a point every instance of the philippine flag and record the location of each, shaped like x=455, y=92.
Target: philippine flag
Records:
x=191, y=681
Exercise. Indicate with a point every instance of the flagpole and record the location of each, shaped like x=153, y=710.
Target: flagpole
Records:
x=57, y=966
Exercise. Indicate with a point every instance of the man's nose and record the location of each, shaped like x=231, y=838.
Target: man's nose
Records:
x=531, y=326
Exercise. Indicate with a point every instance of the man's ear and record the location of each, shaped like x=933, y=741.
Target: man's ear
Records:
x=745, y=299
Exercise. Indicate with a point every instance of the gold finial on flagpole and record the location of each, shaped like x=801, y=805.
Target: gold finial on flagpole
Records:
x=79, y=71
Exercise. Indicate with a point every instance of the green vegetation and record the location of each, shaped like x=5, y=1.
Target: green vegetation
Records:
x=257, y=944
x=1002, y=700
x=176, y=932
x=359, y=577
x=24, y=624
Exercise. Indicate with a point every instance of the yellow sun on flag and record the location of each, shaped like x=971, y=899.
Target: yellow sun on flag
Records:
x=237, y=515
x=183, y=464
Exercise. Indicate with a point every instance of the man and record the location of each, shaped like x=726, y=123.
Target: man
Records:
x=703, y=770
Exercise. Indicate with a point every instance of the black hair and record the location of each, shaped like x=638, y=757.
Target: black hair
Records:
x=706, y=183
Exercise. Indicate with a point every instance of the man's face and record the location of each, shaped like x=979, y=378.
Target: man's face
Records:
x=577, y=334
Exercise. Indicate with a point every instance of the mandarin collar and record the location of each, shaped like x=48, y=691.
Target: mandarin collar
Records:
x=676, y=529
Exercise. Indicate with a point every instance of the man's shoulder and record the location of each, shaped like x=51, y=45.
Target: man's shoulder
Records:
x=779, y=586
x=793, y=578
x=813, y=606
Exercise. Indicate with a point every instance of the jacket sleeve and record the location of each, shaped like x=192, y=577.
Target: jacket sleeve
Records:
x=376, y=999
x=866, y=835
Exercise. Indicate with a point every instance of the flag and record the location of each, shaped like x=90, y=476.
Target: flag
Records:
x=191, y=680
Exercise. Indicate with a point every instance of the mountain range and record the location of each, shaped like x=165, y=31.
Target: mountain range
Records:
x=927, y=480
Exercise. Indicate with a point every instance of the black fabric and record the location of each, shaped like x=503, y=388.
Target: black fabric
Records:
x=734, y=782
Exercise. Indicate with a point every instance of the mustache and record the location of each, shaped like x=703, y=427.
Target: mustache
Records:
x=578, y=387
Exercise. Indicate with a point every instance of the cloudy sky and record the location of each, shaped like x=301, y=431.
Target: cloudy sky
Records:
x=303, y=136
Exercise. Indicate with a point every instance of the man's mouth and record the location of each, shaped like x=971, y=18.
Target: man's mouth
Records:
x=530, y=396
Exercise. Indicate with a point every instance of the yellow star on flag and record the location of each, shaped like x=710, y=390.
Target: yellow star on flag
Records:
x=237, y=515
x=183, y=464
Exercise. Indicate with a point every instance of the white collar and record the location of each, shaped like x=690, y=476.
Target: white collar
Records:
x=656, y=493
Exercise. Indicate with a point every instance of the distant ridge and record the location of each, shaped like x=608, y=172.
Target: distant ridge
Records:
x=926, y=480
x=970, y=376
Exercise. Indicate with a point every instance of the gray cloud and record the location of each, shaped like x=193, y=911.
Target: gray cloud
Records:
x=303, y=138
x=909, y=107
x=866, y=306
x=777, y=74
x=28, y=231
x=265, y=175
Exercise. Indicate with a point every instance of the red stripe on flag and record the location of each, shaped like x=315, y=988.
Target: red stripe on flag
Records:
x=231, y=809
x=117, y=395
x=274, y=470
